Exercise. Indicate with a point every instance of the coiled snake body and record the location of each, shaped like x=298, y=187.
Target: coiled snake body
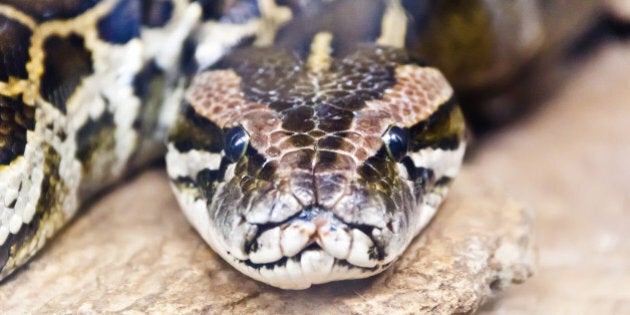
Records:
x=303, y=145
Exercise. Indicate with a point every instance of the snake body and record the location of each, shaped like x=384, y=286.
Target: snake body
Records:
x=305, y=142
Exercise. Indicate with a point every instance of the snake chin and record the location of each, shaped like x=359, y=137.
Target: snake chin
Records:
x=310, y=248
x=312, y=265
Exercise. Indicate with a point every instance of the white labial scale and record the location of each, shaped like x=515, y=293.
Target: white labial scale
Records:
x=268, y=247
x=191, y=162
x=279, y=275
x=360, y=250
x=334, y=240
x=294, y=269
x=316, y=265
x=296, y=236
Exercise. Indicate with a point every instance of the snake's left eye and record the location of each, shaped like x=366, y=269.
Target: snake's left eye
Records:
x=235, y=143
x=395, y=139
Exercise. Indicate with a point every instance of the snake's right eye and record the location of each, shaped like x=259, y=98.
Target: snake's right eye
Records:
x=235, y=143
x=395, y=139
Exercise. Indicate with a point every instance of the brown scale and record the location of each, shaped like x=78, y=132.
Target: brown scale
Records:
x=318, y=134
x=16, y=118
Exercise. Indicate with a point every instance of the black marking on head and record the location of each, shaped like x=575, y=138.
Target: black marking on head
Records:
x=422, y=177
x=255, y=162
x=45, y=10
x=16, y=118
x=379, y=173
x=443, y=181
x=15, y=40
x=205, y=181
x=122, y=24
x=232, y=12
x=269, y=266
x=193, y=131
x=66, y=62
x=297, y=257
x=298, y=119
x=306, y=101
x=443, y=129
x=156, y=13
x=345, y=263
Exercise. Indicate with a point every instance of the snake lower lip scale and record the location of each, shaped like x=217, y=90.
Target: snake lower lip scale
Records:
x=314, y=155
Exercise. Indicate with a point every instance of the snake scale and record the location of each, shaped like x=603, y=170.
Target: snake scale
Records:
x=305, y=140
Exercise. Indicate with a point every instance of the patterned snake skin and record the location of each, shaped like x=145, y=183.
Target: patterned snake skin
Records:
x=304, y=146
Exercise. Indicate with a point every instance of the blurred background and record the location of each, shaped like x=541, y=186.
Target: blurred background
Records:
x=566, y=156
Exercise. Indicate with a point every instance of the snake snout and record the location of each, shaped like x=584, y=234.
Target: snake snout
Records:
x=315, y=229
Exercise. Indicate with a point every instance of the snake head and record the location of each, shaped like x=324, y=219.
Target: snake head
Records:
x=301, y=172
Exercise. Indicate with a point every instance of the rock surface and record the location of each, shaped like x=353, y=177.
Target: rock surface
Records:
x=134, y=251
x=571, y=163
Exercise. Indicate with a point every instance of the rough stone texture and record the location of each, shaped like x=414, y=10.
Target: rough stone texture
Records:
x=133, y=251
x=571, y=162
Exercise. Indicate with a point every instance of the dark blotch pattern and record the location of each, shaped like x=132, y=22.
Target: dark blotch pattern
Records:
x=94, y=134
x=311, y=103
x=122, y=24
x=156, y=13
x=66, y=62
x=15, y=40
x=192, y=131
x=422, y=178
x=45, y=10
x=16, y=118
x=444, y=129
x=230, y=11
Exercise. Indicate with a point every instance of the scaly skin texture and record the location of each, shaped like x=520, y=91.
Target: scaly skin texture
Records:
x=88, y=90
x=316, y=196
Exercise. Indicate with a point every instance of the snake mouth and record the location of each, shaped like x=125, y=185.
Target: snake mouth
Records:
x=312, y=249
x=315, y=229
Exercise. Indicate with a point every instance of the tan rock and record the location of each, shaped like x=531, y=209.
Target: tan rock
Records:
x=134, y=251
